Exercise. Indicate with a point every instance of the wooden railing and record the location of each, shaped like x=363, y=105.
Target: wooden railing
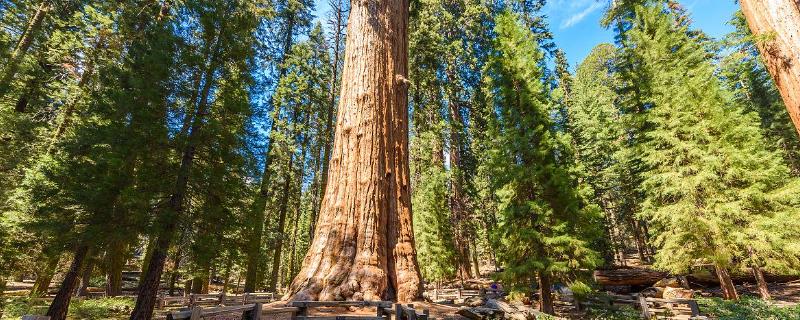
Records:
x=216, y=299
x=652, y=307
x=454, y=294
x=248, y=312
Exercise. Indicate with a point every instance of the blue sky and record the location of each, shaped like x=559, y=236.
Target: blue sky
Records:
x=576, y=23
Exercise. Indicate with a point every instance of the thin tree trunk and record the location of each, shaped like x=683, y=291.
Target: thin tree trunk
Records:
x=458, y=203
x=363, y=247
x=780, y=21
x=726, y=284
x=148, y=288
x=148, y=255
x=763, y=289
x=545, y=296
x=338, y=24
x=22, y=47
x=86, y=277
x=60, y=305
x=284, y=202
x=260, y=204
x=174, y=276
x=115, y=263
x=44, y=277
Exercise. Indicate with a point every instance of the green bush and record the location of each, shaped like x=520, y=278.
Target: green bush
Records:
x=747, y=308
x=16, y=307
x=106, y=308
x=580, y=290
x=623, y=313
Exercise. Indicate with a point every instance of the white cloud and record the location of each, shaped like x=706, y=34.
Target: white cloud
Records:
x=576, y=18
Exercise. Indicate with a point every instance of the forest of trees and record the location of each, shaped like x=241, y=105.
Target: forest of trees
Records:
x=234, y=142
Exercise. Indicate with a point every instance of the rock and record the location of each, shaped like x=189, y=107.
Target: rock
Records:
x=652, y=292
x=475, y=301
x=677, y=293
x=480, y=313
x=511, y=312
x=668, y=283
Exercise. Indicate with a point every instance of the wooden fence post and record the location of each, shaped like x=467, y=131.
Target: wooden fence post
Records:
x=254, y=313
x=645, y=309
x=197, y=313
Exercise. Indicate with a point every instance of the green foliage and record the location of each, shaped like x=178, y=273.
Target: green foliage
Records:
x=747, y=308
x=105, y=308
x=623, y=313
x=580, y=290
x=743, y=73
x=545, y=227
x=708, y=174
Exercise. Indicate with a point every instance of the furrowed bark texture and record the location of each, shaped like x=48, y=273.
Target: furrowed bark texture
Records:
x=779, y=20
x=363, y=247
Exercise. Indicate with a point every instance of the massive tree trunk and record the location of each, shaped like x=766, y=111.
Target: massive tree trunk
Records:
x=780, y=21
x=60, y=305
x=363, y=247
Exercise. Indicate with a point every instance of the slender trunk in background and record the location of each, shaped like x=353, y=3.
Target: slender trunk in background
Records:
x=458, y=203
x=173, y=278
x=169, y=217
x=69, y=109
x=363, y=247
x=779, y=20
x=115, y=262
x=226, y=276
x=44, y=277
x=726, y=284
x=761, y=282
x=337, y=26
x=83, y=288
x=763, y=288
x=545, y=296
x=257, y=214
x=22, y=47
x=280, y=234
x=148, y=255
x=60, y=305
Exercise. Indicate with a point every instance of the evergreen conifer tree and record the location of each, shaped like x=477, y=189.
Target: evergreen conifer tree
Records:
x=544, y=224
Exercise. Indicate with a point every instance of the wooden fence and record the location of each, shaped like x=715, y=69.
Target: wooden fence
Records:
x=248, y=312
x=299, y=310
x=216, y=299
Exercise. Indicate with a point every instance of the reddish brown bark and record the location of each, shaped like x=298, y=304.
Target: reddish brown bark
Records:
x=726, y=284
x=60, y=305
x=363, y=247
x=458, y=204
x=545, y=296
x=779, y=21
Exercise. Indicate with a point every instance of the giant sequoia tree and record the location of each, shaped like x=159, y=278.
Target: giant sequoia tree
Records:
x=363, y=247
x=778, y=22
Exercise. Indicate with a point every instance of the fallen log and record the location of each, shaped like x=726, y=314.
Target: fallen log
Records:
x=648, y=277
x=628, y=277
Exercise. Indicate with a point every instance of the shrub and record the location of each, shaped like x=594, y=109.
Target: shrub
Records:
x=747, y=308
